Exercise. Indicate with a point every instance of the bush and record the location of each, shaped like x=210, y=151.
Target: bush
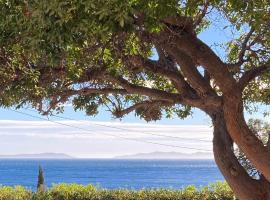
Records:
x=217, y=191
x=14, y=193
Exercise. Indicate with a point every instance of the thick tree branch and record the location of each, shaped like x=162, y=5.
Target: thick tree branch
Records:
x=211, y=101
x=87, y=91
x=151, y=92
x=252, y=74
x=159, y=67
x=207, y=77
x=268, y=142
x=101, y=77
x=202, y=55
x=230, y=167
x=190, y=71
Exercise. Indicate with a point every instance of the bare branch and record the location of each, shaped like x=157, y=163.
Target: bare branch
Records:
x=244, y=46
x=201, y=15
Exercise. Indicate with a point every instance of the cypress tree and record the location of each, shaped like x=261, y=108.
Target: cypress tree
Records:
x=40, y=184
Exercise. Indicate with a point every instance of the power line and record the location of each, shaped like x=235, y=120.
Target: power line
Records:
x=124, y=138
x=132, y=139
x=141, y=132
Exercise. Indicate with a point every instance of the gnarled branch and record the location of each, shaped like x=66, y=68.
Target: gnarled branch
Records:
x=190, y=71
x=174, y=75
x=201, y=54
x=151, y=92
x=251, y=74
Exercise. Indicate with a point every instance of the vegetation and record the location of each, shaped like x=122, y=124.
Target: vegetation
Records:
x=41, y=180
x=100, y=53
x=217, y=191
x=262, y=130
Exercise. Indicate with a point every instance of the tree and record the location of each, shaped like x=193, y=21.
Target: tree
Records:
x=98, y=53
x=262, y=130
x=41, y=182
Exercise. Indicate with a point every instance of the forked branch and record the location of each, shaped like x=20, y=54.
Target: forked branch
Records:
x=251, y=74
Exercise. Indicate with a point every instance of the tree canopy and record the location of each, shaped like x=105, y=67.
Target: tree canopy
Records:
x=52, y=52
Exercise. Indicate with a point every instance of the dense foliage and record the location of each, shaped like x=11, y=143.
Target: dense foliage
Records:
x=54, y=52
x=215, y=191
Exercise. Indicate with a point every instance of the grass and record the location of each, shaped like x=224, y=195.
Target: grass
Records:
x=216, y=191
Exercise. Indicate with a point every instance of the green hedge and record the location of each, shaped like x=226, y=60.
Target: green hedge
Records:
x=217, y=191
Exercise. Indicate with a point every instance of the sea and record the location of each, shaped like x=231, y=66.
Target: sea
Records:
x=111, y=174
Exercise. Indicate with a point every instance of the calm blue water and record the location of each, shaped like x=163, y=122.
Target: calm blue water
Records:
x=132, y=174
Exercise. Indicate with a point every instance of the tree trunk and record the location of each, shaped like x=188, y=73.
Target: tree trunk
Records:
x=253, y=148
x=244, y=187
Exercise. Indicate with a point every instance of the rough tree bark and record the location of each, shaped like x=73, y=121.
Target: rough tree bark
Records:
x=228, y=119
x=258, y=154
x=244, y=187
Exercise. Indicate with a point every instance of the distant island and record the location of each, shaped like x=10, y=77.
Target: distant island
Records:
x=152, y=155
x=168, y=155
x=37, y=156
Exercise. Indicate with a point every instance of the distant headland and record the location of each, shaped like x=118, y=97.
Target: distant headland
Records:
x=168, y=155
x=38, y=156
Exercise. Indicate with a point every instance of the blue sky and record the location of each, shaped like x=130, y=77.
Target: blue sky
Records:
x=197, y=118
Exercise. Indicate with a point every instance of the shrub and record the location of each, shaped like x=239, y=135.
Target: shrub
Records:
x=14, y=193
x=217, y=191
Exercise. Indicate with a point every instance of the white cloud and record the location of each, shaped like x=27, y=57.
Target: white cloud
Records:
x=98, y=139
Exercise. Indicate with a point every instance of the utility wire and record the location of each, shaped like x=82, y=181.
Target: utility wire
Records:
x=141, y=132
x=124, y=138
